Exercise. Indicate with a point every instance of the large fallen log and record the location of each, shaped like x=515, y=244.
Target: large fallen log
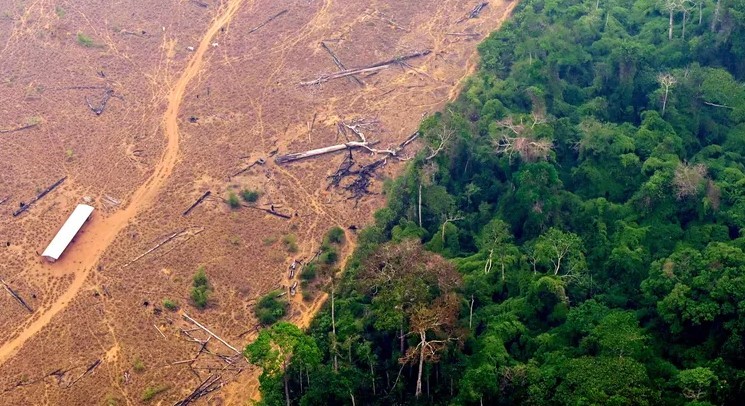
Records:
x=340, y=65
x=365, y=69
x=283, y=159
x=206, y=330
x=16, y=296
x=26, y=206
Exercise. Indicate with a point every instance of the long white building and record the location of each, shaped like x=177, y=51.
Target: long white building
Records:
x=68, y=231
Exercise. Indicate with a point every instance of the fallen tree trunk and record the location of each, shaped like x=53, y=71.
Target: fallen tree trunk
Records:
x=267, y=21
x=171, y=237
x=283, y=159
x=365, y=69
x=200, y=200
x=26, y=206
x=206, y=330
x=340, y=65
x=23, y=127
x=16, y=296
x=270, y=211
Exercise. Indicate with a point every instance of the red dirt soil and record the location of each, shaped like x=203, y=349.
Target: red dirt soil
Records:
x=198, y=97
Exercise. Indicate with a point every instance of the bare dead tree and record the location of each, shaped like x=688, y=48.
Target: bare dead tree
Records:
x=434, y=326
x=667, y=81
x=689, y=180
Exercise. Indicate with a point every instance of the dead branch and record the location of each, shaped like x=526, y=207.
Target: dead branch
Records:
x=211, y=384
x=267, y=21
x=464, y=34
x=718, y=105
x=16, y=296
x=190, y=232
x=200, y=3
x=206, y=330
x=475, y=12
x=271, y=211
x=4, y=199
x=260, y=161
x=90, y=369
x=26, y=206
x=108, y=94
x=365, y=69
x=195, y=204
x=23, y=127
x=390, y=21
x=340, y=65
x=161, y=333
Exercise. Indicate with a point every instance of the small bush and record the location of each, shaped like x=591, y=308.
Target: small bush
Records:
x=201, y=289
x=309, y=272
x=59, y=11
x=138, y=366
x=270, y=308
x=307, y=295
x=335, y=236
x=329, y=257
x=170, y=305
x=290, y=242
x=233, y=201
x=153, y=391
x=250, y=196
x=85, y=40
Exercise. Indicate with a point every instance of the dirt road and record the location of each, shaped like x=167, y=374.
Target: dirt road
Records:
x=103, y=231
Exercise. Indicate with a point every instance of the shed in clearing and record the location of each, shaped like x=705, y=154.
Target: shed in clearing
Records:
x=68, y=231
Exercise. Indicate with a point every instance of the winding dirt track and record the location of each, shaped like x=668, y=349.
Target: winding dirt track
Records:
x=102, y=232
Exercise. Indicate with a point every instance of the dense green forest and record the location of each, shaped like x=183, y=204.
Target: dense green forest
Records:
x=573, y=232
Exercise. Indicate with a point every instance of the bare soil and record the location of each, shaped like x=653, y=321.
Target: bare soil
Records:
x=198, y=95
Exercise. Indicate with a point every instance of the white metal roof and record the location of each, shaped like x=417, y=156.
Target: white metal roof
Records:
x=68, y=231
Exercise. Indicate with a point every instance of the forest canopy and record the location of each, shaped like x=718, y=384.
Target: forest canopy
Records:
x=579, y=238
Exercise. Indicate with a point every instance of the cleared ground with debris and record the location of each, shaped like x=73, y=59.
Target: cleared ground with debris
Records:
x=144, y=110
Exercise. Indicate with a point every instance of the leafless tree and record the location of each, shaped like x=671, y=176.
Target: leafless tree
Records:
x=689, y=180
x=667, y=81
x=521, y=141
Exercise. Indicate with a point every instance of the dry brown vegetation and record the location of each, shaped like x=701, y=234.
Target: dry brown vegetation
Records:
x=146, y=108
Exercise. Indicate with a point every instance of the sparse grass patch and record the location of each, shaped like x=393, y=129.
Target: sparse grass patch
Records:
x=170, y=305
x=152, y=391
x=250, y=196
x=234, y=240
x=85, y=40
x=59, y=11
x=267, y=241
x=290, y=241
x=138, y=366
x=270, y=308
